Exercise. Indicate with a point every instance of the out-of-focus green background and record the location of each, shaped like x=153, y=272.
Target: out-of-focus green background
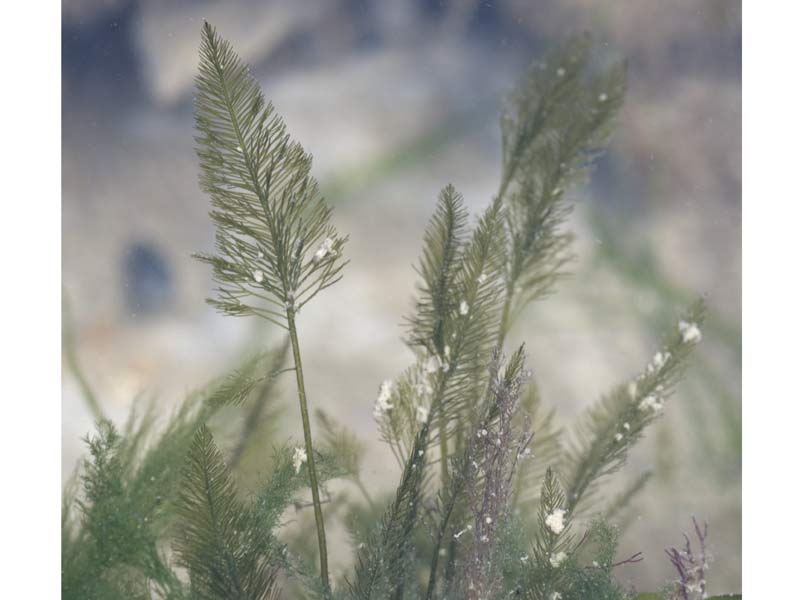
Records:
x=396, y=99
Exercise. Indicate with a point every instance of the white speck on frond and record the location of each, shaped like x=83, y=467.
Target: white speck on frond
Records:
x=488, y=520
x=482, y=278
x=555, y=596
x=524, y=558
x=633, y=390
x=602, y=97
x=658, y=362
x=463, y=308
x=690, y=332
x=433, y=364
x=298, y=458
x=651, y=403
x=382, y=403
x=618, y=437
x=557, y=558
x=325, y=248
x=555, y=520
x=422, y=415
x=462, y=532
x=258, y=275
x=626, y=426
x=560, y=72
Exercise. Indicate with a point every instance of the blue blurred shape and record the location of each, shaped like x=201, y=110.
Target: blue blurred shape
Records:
x=148, y=284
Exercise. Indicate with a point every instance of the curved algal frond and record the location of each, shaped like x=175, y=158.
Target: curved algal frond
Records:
x=617, y=421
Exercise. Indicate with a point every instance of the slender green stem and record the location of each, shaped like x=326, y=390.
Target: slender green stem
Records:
x=312, y=470
x=443, y=448
x=74, y=365
x=504, y=321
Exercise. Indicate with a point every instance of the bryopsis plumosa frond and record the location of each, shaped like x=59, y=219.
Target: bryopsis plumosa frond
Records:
x=275, y=246
x=453, y=329
x=225, y=550
x=555, y=127
x=617, y=421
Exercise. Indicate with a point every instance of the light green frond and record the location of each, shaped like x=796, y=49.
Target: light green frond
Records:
x=615, y=423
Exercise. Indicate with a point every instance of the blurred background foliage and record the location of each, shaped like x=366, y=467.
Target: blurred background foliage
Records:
x=396, y=99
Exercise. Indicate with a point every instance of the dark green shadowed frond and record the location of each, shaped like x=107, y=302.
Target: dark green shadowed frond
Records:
x=275, y=246
x=385, y=564
x=224, y=551
x=552, y=544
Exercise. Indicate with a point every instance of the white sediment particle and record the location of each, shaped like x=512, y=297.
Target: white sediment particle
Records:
x=382, y=403
x=299, y=458
x=560, y=72
x=618, y=437
x=555, y=520
x=488, y=520
x=463, y=308
x=557, y=558
x=258, y=275
x=658, y=362
x=422, y=414
x=524, y=558
x=602, y=97
x=690, y=332
x=325, y=248
x=433, y=364
x=626, y=426
x=651, y=403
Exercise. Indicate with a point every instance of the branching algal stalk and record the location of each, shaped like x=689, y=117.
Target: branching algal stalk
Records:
x=496, y=450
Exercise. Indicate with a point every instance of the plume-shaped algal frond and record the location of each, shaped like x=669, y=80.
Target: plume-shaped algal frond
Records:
x=615, y=423
x=385, y=562
x=439, y=264
x=453, y=332
x=276, y=248
x=552, y=544
x=226, y=552
x=556, y=126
